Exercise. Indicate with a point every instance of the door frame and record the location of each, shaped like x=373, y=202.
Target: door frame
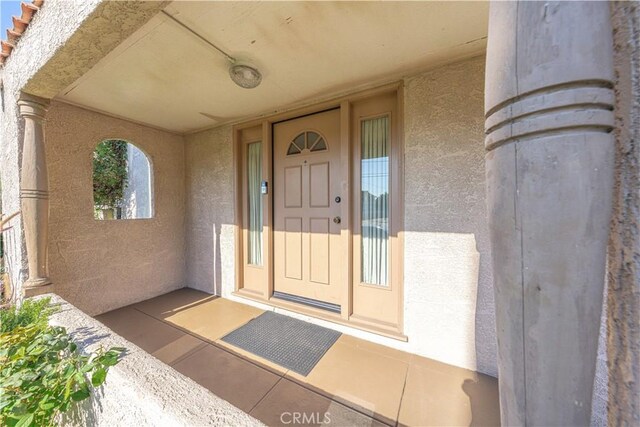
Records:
x=264, y=127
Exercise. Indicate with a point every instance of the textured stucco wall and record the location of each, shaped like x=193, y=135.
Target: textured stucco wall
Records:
x=210, y=211
x=24, y=62
x=600, y=388
x=102, y=265
x=140, y=390
x=138, y=194
x=12, y=129
x=448, y=295
x=623, y=296
x=448, y=283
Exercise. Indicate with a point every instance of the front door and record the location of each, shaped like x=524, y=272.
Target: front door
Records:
x=307, y=244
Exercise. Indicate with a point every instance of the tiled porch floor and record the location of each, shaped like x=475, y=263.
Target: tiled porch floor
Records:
x=357, y=382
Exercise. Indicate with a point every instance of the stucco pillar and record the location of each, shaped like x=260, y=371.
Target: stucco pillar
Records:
x=34, y=193
x=549, y=165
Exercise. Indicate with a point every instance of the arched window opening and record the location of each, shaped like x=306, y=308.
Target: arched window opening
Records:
x=122, y=181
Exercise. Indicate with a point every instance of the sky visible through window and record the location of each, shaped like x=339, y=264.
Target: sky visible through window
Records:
x=375, y=175
x=8, y=8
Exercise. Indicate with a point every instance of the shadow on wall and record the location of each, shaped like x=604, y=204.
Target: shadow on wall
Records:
x=87, y=412
x=217, y=263
x=207, y=262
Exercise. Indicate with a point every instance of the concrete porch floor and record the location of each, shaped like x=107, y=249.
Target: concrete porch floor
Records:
x=357, y=382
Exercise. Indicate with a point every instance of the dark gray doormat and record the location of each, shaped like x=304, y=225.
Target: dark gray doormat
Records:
x=289, y=342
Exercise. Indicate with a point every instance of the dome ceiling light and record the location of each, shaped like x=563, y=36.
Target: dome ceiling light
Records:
x=243, y=75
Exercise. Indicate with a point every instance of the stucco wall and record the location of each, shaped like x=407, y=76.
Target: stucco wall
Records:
x=623, y=294
x=210, y=211
x=448, y=283
x=138, y=194
x=102, y=265
x=449, y=314
x=24, y=62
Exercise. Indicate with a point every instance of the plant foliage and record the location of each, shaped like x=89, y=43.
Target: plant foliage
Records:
x=42, y=372
x=31, y=312
x=109, y=173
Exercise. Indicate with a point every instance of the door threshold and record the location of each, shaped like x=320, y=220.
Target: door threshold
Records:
x=352, y=321
x=322, y=305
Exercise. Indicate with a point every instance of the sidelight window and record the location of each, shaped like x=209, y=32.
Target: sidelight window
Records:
x=254, y=181
x=375, y=200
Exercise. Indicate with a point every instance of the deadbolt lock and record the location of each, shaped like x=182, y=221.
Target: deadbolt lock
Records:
x=337, y=220
x=338, y=199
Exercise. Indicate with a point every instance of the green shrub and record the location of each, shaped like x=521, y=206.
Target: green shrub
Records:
x=30, y=312
x=109, y=173
x=42, y=373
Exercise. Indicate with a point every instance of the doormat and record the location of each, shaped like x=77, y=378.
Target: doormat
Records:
x=289, y=342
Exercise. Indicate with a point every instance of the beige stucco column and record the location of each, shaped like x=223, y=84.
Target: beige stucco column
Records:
x=549, y=165
x=34, y=192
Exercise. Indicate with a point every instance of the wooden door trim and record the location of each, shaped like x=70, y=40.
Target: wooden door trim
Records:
x=345, y=158
x=344, y=103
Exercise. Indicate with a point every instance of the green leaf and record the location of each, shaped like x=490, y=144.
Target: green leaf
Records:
x=47, y=406
x=4, y=401
x=67, y=388
x=25, y=421
x=109, y=360
x=98, y=377
x=80, y=394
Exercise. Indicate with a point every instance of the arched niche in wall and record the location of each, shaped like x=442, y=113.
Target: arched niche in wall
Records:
x=122, y=181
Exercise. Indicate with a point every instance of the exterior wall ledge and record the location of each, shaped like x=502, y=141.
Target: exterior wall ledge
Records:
x=37, y=290
x=140, y=390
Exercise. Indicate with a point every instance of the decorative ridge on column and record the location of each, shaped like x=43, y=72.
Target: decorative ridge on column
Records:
x=34, y=192
x=569, y=107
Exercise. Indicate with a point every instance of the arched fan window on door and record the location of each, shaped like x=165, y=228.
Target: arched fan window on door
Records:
x=308, y=140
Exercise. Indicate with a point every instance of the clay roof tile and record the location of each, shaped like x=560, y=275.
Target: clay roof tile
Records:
x=20, y=24
x=6, y=46
x=28, y=10
x=12, y=36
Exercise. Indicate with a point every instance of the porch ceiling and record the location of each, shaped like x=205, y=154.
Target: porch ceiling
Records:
x=164, y=76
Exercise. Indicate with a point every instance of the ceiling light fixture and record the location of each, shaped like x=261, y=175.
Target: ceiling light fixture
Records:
x=243, y=75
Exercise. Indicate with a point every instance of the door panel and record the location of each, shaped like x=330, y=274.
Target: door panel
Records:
x=293, y=248
x=319, y=185
x=307, y=180
x=293, y=187
x=319, y=251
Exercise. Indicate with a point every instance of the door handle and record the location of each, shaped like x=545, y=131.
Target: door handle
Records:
x=337, y=220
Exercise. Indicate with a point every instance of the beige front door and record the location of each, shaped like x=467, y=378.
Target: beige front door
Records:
x=307, y=180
